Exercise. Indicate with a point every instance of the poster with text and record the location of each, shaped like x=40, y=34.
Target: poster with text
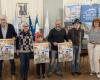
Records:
x=89, y=12
x=65, y=52
x=6, y=49
x=41, y=52
x=71, y=12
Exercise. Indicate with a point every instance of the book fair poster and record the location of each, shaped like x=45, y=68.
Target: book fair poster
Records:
x=6, y=49
x=65, y=52
x=41, y=52
x=71, y=12
x=89, y=12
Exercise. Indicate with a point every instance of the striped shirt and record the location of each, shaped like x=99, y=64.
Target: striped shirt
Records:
x=94, y=36
x=4, y=31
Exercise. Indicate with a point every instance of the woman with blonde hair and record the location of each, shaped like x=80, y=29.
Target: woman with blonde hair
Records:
x=24, y=48
x=94, y=47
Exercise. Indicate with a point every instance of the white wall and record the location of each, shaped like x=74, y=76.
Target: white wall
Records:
x=0, y=6
x=34, y=7
x=55, y=8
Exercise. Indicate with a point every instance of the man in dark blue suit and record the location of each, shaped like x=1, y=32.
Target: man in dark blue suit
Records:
x=7, y=31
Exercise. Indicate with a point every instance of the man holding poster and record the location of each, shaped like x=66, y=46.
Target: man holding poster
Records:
x=65, y=51
x=7, y=31
x=56, y=35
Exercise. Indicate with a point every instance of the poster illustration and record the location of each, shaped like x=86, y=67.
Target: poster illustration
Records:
x=65, y=52
x=71, y=12
x=89, y=12
x=6, y=49
x=41, y=52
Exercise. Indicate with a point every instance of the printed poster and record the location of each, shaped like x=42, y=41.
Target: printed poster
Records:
x=41, y=52
x=65, y=52
x=6, y=49
x=89, y=12
x=71, y=12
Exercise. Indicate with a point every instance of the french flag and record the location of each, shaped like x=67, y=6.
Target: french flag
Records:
x=31, y=26
x=36, y=29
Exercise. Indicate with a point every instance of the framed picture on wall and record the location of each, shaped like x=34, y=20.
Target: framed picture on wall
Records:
x=22, y=9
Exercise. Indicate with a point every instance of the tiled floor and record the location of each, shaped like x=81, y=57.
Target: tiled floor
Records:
x=66, y=72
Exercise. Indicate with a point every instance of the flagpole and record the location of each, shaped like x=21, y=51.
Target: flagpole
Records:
x=46, y=26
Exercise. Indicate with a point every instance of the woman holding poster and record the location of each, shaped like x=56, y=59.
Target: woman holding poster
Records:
x=94, y=47
x=24, y=48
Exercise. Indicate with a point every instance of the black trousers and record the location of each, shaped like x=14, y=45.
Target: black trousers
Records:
x=12, y=67
x=40, y=69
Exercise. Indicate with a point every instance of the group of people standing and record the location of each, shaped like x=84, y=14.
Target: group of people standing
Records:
x=24, y=48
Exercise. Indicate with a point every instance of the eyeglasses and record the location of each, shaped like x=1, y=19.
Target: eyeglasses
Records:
x=3, y=19
x=25, y=26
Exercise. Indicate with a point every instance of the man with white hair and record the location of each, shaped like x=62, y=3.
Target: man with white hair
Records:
x=56, y=35
x=7, y=31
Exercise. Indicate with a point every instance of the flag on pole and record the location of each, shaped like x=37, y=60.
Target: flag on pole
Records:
x=16, y=24
x=31, y=26
x=46, y=27
x=36, y=29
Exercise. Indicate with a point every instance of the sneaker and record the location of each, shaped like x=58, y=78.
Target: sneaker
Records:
x=98, y=75
x=38, y=77
x=73, y=73
x=13, y=77
x=1, y=78
x=59, y=74
x=92, y=73
x=49, y=74
x=25, y=78
x=43, y=76
x=78, y=73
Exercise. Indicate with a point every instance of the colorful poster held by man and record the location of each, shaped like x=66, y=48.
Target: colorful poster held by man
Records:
x=65, y=52
x=41, y=52
x=6, y=49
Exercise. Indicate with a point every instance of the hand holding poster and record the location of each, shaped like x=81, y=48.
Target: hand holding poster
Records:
x=6, y=49
x=65, y=52
x=41, y=52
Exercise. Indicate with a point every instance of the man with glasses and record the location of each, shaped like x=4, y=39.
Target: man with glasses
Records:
x=7, y=31
x=56, y=35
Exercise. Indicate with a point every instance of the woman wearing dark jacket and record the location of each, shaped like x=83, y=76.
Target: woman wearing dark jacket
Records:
x=24, y=47
x=76, y=35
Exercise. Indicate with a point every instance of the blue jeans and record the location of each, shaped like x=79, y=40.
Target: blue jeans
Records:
x=54, y=65
x=12, y=67
x=24, y=64
x=75, y=66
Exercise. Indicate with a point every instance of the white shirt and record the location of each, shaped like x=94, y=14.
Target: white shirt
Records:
x=4, y=31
